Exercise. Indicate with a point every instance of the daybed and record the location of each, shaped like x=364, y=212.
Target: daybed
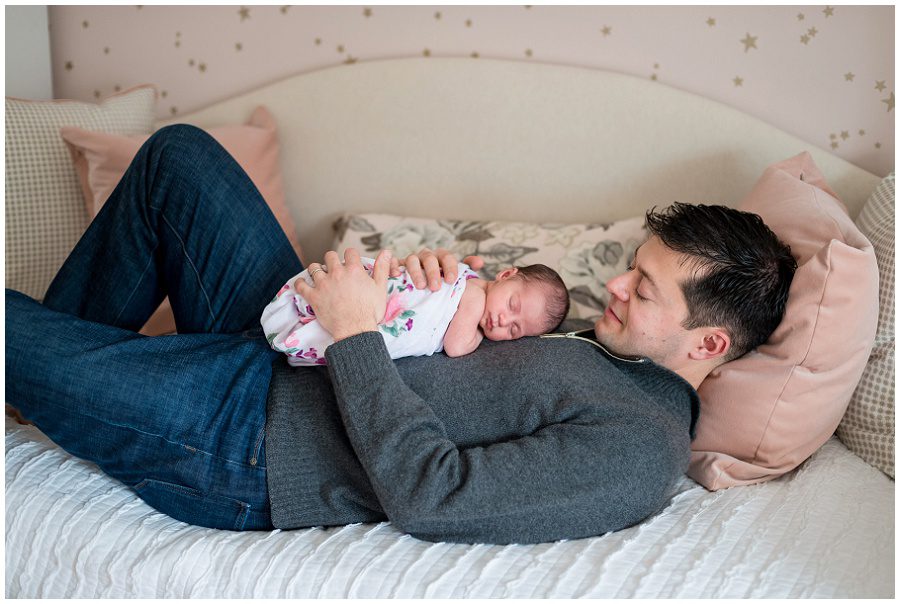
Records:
x=489, y=156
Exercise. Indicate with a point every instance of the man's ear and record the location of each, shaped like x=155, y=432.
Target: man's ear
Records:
x=713, y=343
x=506, y=273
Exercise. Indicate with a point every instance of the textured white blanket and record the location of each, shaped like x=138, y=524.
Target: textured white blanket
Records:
x=825, y=530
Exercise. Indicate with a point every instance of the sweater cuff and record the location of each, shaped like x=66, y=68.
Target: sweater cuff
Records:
x=355, y=360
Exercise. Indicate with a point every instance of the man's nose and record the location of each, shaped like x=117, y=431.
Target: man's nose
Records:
x=620, y=286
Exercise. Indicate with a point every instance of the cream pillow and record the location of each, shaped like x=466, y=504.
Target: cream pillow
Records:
x=45, y=213
x=586, y=256
x=101, y=159
x=868, y=426
x=766, y=412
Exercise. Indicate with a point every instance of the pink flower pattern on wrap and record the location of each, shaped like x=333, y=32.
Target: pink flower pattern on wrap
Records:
x=397, y=316
x=394, y=307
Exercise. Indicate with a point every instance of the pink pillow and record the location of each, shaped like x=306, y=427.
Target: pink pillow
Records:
x=766, y=412
x=101, y=159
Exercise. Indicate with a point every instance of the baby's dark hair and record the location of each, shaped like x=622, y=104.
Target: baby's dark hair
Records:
x=557, y=293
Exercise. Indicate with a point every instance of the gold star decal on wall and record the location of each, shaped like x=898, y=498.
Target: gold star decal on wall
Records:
x=711, y=22
x=367, y=12
x=96, y=94
x=528, y=52
x=437, y=15
x=812, y=31
x=173, y=110
x=191, y=62
x=738, y=81
x=606, y=30
x=828, y=11
x=474, y=55
x=84, y=24
x=849, y=76
x=879, y=85
x=238, y=46
x=834, y=145
x=878, y=145
x=284, y=9
x=889, y=102
x=177, y=43
x=69, y=66
x=202, y=67
x=468, y=23
x=117, y=88
x=244, y=12
x=862, y=132
x=106, y=50
x=350, y=60
x=653, y=77
x=164, y=93
x=832, y=136
x=340, y=48
x=318, y=41
x=804, y=39
x=749, y=42
x=800, y=16
x=845, y=135
x=426, y=53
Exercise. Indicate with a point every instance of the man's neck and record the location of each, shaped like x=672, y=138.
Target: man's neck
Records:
x=695, y=372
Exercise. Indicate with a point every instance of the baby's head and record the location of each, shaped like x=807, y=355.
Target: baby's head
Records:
x=524, y=301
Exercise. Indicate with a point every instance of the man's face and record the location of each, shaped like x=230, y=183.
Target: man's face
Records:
x=647, y=307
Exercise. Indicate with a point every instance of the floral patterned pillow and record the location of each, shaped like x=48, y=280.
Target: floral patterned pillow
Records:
x=585, y=255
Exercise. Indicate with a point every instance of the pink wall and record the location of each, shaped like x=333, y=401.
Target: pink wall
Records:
x=823, y=73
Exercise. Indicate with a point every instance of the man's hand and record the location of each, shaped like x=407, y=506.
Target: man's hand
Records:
x=425, y=267
x=346, y=300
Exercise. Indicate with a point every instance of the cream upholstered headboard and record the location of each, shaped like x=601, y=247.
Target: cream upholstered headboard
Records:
x=502, y=140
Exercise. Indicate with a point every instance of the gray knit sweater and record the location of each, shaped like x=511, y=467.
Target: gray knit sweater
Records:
x=533, y=440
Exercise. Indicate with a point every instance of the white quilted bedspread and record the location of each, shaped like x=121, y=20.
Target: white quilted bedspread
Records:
x=825, y=530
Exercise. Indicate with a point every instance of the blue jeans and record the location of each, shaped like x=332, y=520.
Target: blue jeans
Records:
x=180, y=419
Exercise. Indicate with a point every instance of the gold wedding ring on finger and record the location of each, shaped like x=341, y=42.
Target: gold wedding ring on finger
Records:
x=315, y=271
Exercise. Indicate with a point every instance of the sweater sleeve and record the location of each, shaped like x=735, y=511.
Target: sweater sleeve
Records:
x=572, y=479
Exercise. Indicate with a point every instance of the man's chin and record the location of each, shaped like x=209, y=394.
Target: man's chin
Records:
x=608, y=340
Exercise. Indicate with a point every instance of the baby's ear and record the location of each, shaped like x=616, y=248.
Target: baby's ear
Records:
x=506, y=273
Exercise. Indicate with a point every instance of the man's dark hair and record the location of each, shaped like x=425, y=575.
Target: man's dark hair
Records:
x=557, y=294
x=741, y=270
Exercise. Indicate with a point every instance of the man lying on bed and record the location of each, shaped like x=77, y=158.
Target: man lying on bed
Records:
x=532, y=440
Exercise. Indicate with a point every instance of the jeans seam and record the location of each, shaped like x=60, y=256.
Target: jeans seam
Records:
x=241, y=520
x=192, y=265
x=242, y=515
x=135, y=288
x=172, y=442
x=258, y=446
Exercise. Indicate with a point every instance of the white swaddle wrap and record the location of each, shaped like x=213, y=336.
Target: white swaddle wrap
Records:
x=414, y=324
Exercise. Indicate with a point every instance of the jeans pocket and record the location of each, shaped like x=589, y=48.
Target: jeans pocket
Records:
x=192, y=505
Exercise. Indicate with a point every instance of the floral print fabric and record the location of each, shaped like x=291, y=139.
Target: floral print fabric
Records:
x=414, y=324
x=585, y=255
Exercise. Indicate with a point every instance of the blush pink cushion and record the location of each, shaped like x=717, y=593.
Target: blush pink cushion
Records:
x=101, y=159
x=766, y=412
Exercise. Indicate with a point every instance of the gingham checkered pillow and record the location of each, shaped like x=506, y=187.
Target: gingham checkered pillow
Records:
x=45, y=212
x=868, y=426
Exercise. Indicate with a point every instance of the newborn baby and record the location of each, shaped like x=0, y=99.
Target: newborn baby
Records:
x=520, y=301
